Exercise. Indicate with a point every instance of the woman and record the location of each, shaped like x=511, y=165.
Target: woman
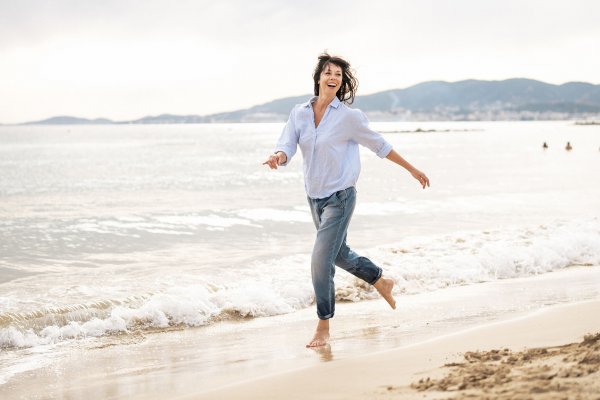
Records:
x=328, y=133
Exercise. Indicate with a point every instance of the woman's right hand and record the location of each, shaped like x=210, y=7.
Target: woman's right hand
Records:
x=276, y=160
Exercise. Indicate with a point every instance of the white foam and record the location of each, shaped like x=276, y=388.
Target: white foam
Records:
x=283, y=285
x=272, y=214
x=23, y=364
x=210, y=220
x=471, y=257
x=192, y=305
x=476, y=203
x=168, y=232
x=373, y=208
x=166, y=224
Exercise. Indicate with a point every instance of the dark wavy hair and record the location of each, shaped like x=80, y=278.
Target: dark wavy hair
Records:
x=349, y=86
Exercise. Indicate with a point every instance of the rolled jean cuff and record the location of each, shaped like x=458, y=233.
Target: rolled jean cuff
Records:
x=377, y=278
x=328, y=316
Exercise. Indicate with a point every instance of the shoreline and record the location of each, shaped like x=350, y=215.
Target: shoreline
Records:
x=190, y=363
x=389, y=374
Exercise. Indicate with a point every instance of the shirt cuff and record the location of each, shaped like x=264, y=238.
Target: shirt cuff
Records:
x=287, y=156
x=384, y=150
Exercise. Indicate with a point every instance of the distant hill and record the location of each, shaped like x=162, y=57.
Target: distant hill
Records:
x=486, y=98
x=511, y=99
x=66, y=120
x=169, y=119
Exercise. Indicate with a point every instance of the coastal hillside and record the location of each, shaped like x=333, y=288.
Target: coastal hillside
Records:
x=511, y=99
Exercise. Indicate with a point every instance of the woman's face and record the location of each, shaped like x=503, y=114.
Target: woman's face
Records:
x=330, y=80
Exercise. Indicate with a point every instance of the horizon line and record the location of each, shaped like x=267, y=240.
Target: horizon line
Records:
x=289, y=96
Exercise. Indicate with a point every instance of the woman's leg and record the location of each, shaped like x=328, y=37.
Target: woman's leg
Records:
x=359, y=266
x=331, y=216
x=365, y=269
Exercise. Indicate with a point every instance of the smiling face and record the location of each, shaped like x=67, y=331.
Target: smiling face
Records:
x=334, y=77
x=330, y=79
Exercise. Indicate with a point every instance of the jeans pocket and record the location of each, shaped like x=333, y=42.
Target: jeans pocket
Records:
x=342, y=196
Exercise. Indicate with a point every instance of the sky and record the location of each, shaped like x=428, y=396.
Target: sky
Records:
x=126, y=59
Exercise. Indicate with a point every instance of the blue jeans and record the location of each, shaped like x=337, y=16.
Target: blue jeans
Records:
x=331, y=216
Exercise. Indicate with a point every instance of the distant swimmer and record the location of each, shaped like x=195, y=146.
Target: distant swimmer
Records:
x=545, y=146
x=568, y=147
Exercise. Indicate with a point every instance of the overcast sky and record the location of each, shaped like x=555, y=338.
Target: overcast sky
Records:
x=125, y=59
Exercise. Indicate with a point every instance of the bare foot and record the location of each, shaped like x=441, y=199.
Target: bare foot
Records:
x=324, y=352
x=320, y=339
x=384, y=286
x=321, y=336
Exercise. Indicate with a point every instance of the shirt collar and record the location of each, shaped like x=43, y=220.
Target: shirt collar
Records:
x=335, y=103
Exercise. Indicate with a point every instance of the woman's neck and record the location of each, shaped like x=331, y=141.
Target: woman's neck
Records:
x=323, y=101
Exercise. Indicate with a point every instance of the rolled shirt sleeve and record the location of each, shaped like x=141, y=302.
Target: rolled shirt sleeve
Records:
x=365, y=136
x=288, y=141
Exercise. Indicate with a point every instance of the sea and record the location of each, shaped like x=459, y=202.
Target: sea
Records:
x=116, y=231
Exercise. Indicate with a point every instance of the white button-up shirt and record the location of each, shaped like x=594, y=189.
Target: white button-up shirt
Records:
x=330, y=151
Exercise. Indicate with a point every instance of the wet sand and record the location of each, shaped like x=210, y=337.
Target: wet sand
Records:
x=539, y=356
x=374, y=353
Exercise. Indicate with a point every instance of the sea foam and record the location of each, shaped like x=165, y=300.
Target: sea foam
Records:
x=281, y=286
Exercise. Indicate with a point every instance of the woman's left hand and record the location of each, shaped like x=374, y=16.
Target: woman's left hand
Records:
x=421, y=177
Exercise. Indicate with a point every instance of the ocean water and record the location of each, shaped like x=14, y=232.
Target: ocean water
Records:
x=113, y=230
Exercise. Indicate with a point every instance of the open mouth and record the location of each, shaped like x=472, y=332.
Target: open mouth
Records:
x=331, y=85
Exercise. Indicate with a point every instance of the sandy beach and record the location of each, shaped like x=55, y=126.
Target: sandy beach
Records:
x=476, y=338
x=550, y=354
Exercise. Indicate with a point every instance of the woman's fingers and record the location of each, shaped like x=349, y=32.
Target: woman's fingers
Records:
x=272, y=162
x=422, y=178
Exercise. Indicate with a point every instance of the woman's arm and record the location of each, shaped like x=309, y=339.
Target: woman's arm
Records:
x=418, y=175
x=286, y=145
x=364, y=135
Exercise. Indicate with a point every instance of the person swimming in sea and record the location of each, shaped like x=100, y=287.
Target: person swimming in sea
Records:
x=568, y=147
